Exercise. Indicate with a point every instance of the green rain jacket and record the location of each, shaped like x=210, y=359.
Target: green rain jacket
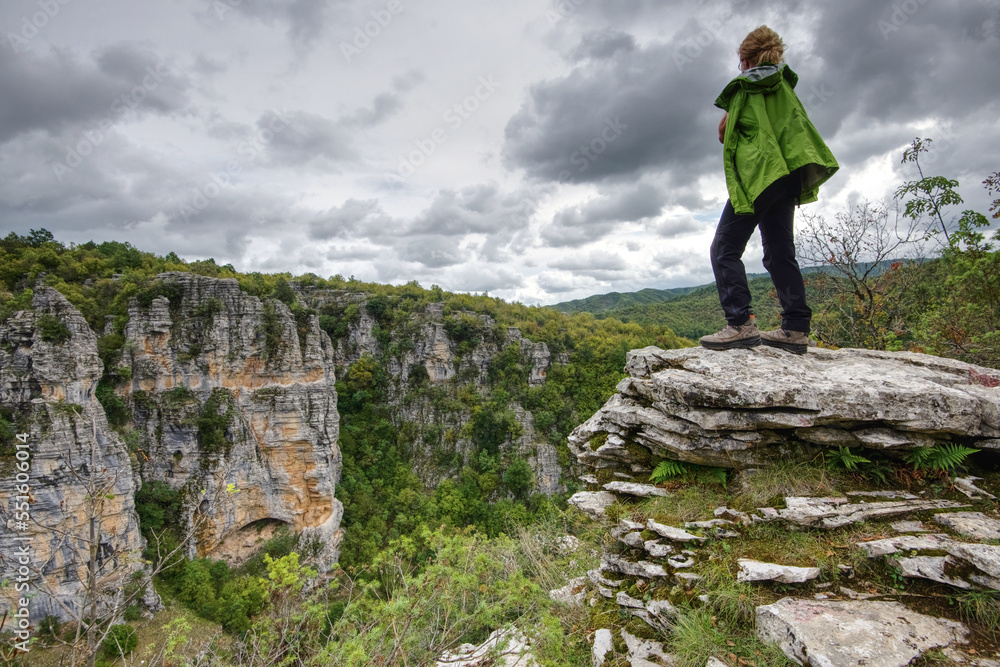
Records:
x=768, y=135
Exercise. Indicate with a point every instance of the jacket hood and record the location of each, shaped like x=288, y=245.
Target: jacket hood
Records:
x=757, y=80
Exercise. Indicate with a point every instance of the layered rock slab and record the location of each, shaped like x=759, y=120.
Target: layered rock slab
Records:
x=842, y=633
x=744, y=408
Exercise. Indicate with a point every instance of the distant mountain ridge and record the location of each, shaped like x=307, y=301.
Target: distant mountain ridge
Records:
x=691, y=312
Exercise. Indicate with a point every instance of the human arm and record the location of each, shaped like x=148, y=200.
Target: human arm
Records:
x=722, y=128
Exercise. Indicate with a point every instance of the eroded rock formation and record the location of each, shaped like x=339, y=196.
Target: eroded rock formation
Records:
x=49, y=370
x=746, y=408
x=229, y=390
x=424, y=344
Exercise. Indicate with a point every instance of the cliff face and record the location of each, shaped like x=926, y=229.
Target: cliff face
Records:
x=225, y=398
x=49, y=370
x=229, y=390
x=424, y=343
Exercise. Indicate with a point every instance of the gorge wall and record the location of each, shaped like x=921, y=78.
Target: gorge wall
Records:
x=230, y=401
x=229, y=390
x=49, y=370
x=422, y=349
x=225, y=398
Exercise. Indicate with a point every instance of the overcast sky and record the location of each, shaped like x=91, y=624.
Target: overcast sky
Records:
x=537, y=150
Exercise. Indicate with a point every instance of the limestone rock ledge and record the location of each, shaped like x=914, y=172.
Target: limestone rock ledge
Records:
x=47, y=388
x=743, y=408
x=207, y=350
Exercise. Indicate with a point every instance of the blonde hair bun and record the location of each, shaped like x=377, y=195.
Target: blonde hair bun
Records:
x=762, y=45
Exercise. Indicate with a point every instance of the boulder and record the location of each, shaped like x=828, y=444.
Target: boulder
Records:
x=967, y=485
x=837, y=512
x=513, y=648
x=641, y=651
x=643, y=569
x=745, y=408
x=979, y=564
x=593, y=503
x=671, y=533
x=753, y=570
x=571, y=594
x=633, y=489
x=841, y=633
x=971, y=524
x=603, y=644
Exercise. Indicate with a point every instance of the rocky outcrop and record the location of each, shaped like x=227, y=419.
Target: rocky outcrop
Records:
x=842, y=633
x=78, y=467
x=745, y=408
x=964, y=565
x=506, y=647
x=236, y=404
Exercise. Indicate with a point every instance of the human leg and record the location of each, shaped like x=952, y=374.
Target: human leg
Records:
x=731, y=237
x=778, y=239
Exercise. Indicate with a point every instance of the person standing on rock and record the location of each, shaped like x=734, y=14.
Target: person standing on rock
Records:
x=774, y=159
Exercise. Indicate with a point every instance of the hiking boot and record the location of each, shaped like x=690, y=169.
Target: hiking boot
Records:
x=796, y=342
x=745, y=335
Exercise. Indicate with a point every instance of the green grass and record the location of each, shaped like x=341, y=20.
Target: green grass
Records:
x=764, y=487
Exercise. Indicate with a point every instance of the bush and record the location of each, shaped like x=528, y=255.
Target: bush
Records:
x=53, y=330
x=121, y=641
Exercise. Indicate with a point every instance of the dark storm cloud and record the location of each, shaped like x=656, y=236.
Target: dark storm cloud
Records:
x=384, y=106
x=474, y=209
x=354, y=218
x=298, y=137
x=578, y=225
x=432, y=251
x=58, y=92
x=899, y=62
x=603, y=44
x=675, y=228
x=617, y=117
x=305, y=19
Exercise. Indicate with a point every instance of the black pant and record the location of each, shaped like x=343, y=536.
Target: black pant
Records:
x=774, y=213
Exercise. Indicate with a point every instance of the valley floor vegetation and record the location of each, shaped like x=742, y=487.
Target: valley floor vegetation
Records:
x=434, y=589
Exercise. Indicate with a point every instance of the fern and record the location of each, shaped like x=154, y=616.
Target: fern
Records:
x=844, y=458
x=667, y=470
x=943, y=457
x=715, y=476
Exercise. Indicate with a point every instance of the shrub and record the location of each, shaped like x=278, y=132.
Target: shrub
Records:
x=52, y=329
x=121, y=641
